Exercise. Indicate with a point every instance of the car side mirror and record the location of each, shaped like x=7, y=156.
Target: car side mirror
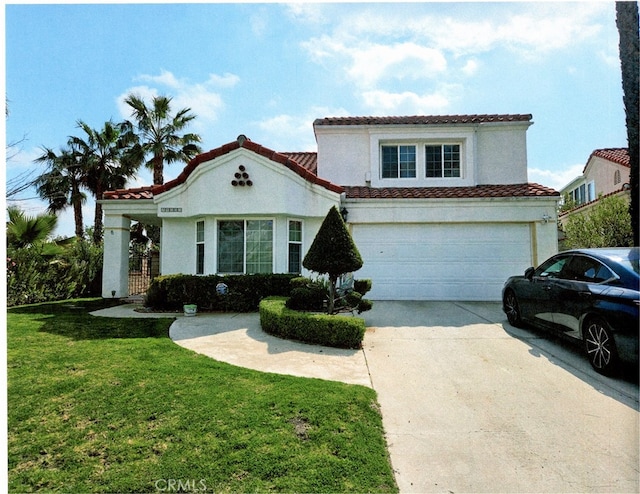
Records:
x=528, y=274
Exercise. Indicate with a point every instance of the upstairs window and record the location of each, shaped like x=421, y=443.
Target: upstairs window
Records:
x=398, y=161
x=616, y=177
x=442, y=160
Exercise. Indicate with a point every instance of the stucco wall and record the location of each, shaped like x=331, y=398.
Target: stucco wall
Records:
x=491, y=153
x=602, y=172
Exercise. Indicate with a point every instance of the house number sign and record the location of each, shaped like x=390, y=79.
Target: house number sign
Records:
x=171, y=210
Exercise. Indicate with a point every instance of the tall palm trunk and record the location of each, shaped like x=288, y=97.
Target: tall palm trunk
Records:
x=97, y=220
x=76, y=201
x=158, y=169
x=627, y=23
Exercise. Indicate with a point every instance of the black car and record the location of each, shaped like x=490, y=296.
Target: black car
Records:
x=587, y=294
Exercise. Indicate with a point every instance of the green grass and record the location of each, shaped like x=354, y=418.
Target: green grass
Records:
x=113, y=405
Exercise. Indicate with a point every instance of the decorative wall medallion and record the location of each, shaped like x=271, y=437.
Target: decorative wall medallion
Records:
x=241, y=178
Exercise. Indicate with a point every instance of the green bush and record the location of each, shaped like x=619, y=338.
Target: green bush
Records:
x=321, y=329
x=33, y=276
x=313, y=295
x=171, y=292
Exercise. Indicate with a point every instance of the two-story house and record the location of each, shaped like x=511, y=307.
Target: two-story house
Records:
x=606, y=173
x=439, y=206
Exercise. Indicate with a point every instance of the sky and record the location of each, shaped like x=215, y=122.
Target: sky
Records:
x=269, y=70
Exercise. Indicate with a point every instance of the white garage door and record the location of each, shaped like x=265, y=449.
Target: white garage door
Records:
x=441, y=262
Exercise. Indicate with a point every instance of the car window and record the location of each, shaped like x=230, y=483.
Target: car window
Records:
x=587, y=269
x=552, y=268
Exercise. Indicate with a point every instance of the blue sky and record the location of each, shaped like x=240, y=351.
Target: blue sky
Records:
x=268, y=70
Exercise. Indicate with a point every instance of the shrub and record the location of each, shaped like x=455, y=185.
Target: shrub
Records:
x=313, y=295
x=244, y=291
x=33, y=276
x=321, y=329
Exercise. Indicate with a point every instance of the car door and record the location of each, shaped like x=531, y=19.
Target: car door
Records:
x=576, y=289
x=538, y=297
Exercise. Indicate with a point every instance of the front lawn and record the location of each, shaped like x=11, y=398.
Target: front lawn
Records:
x=113, y=405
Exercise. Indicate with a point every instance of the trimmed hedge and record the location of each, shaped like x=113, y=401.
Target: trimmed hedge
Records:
x=171, y=292
x=320, y=329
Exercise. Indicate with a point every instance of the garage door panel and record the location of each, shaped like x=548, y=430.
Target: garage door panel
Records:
x=441, y=262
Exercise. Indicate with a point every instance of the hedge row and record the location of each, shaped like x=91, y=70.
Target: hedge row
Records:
x=171, y=292
x=320, y=329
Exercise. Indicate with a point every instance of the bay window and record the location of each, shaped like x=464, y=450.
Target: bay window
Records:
x=245, y=246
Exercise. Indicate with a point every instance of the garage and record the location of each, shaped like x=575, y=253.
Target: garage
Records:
x=434, y=261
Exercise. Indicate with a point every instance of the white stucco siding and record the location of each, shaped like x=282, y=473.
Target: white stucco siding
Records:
x=502, y=154
x=275, y=190
x=178, y=253
x=450, y=249
x=344, y=155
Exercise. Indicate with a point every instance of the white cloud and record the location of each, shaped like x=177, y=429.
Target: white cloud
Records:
x=407, y=102
x=204, y=98
x=470, y=68
x=294, y=132
x=556, y=179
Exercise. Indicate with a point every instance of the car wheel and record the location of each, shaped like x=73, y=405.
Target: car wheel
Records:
x=600, y=346
x=512, y=309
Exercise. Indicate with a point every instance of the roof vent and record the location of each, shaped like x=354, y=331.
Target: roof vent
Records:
x=241, y=138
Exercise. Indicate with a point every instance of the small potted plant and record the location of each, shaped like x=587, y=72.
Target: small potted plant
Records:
x=190, y=310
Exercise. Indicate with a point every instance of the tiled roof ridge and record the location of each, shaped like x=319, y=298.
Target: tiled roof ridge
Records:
x=615, y=155
x=424, y=119
x=528, y=189
x=246, y=143
x=584, y=205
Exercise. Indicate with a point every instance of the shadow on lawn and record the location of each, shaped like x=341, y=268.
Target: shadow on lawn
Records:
x=71, y=319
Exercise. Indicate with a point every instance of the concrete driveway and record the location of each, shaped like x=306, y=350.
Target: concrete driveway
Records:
x=471, y=404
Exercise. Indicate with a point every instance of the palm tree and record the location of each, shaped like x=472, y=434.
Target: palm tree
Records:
x=26, y=231
x=60, y=184
x=107, y=160
x=627, y=24
x=159, y=133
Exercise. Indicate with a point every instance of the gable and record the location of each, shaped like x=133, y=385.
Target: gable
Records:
x=245, y=178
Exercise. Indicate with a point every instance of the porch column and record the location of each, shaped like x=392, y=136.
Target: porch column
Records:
x=115, y=271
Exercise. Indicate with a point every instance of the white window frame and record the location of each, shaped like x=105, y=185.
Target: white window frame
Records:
x=442, y=145
x=200, y=242
x=244, y=221
x=291, y=242
x=398, y=170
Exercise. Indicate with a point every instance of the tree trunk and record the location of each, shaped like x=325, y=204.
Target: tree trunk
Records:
x=76, y=200
x=97, y=221
x=332, y=294
x=158, y=169
x=627, y=23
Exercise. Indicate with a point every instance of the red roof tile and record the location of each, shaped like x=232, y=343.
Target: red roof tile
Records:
x=615, y=155
x=422, y=120
x=478, y=191
x=135, y=194
x=304, y=164
x=308, y=160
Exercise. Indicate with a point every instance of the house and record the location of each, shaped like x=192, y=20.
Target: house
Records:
x=606, y=173
x=439, y=206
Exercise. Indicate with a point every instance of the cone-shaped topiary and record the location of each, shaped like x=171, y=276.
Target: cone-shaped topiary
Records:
x=333, y=252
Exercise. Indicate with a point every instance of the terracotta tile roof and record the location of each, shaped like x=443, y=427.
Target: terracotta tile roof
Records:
x=622, y=189
x=304, y=164
x=615, y=155
x=137, y=193
x=308, y=160
x=422, y=120
x=478, y=191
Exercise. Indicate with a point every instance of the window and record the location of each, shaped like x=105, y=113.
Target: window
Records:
x=616, y=177
x=552, y=268
x=442, y=161
x=398, y=161
x=591, y=191
x=200, y=247
x=245, y=246
x=295, y=247
x=587, y=269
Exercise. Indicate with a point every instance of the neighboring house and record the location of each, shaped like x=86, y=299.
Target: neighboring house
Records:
x=439, y=206
x=606, y=173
